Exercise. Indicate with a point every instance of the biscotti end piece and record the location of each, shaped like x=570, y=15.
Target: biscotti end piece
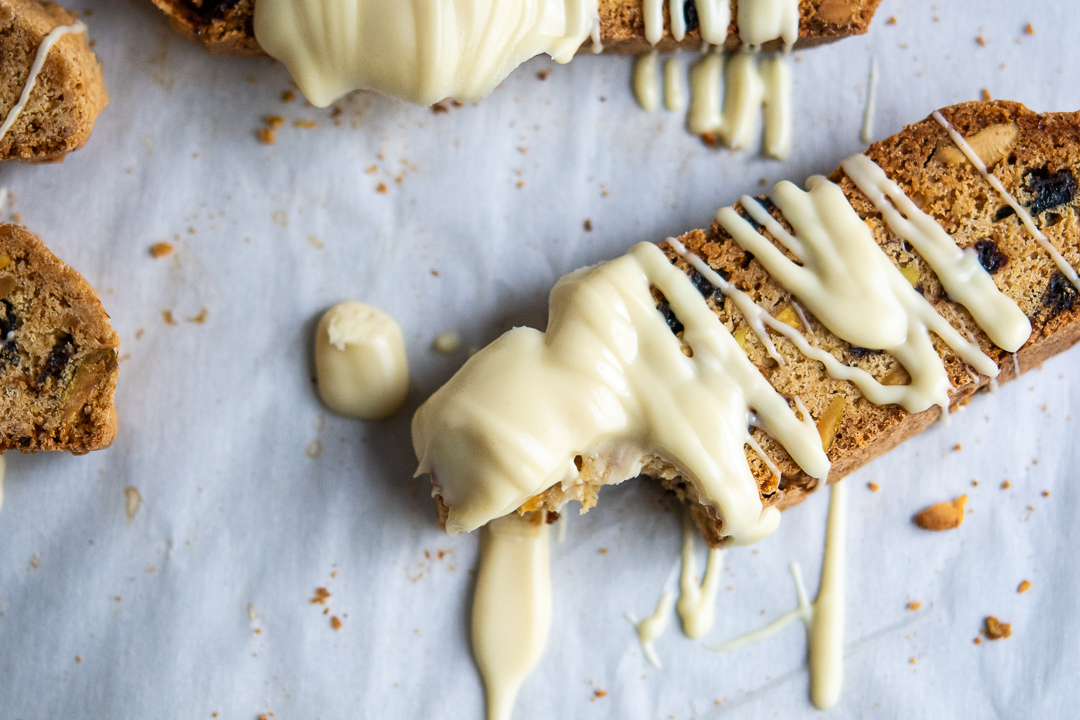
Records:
x=58, y=353
x=224, y=27
x=68, y=94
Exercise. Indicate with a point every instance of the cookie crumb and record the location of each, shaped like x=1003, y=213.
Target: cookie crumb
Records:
x=985, y=95
x=543, y=74
x=914, y=605
x=710, y=139
x=167, y=316
x=321, y=596
x=892, y=20
x=874, y=487
x=1029, y=29
x=305, y=124
x=995, y=629
x=1046, y=493
x=981, y=41
x=957, y=447
x=287, y=96
x=603, y=551
x=335, y=623
x=943, y=515
x=598, y=693
x=1024, y=586
x=974, y=483
x=267, y=136
x=382, y=189
x=1005, y=485
x=200, y=318
x=977, y=641
x=274, y=122
x=161, y=249
x=588, y=224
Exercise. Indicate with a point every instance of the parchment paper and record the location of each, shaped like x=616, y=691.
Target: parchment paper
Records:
x=201, y=604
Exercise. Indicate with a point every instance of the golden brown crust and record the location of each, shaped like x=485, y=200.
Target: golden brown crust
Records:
x=67, y=96
x=58, y=363
x=225, y=27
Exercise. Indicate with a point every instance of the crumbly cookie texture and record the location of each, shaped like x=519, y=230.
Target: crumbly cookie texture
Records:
x=226, y=26
x=68, y=94
x=1040, y=167
x=58, y=353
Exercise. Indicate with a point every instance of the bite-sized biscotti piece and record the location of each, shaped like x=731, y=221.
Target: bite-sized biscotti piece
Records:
x=58, y=362
x=43, y=48
x=226, y=26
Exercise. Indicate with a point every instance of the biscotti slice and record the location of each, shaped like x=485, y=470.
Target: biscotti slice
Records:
x=58, y=361
x=53, y=88
x=227, y=26
x=1013, y=231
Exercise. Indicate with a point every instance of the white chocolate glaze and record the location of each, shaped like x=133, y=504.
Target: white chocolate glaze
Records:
x=608, y=381
x=867, y=134
x=653, y=12
x=652, y=627
x=744, y=93
x=46, y=45
x=422, y=51
x=360, y=363
x=714, y=16
x=1021, y=212
x=964, y=279
x=776, y=78
x=674, y=84
x=677, y=11
x=764, y=20
x=646, y=81
x=511, y=613
x=697, y=603
x=706, y=86
x=447, y=343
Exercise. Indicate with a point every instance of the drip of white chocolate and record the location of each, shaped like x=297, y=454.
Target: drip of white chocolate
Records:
x=867, y=133
x=763, y=20
x=417, y=50
x=512, y=607
x=775, y=73
x=714, y=16
x=697, y=603
x=646, y=84
x=674, y=85
x=652, y=627
x=611, y=382
x=46, y=45
x=706, y=86
x=744, y=92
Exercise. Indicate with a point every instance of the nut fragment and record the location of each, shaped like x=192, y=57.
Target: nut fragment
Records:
x=92, y=370
x=995, y=629
x=5, y=260
x=911, y=274
x=991, y=144
x=829, y=422
x=788, y=316
x=943, y=515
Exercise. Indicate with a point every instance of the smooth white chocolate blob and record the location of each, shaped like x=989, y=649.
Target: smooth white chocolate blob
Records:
x=511, y=613
x=706, y=92
x=360, y=363
x=651, y=628
x=697, y=603
x=646, y=82
x=714, y=16
x=421, y=51
x=775, y=73
x=608, y=381
x=674, y=85
x=763, y=20
x=46, y=45
x=1021, y=212
x=743, y=95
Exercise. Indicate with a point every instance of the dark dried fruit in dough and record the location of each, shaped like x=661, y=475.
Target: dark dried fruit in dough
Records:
x=58, y=363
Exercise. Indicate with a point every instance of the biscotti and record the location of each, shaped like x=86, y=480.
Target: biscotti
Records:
x=226, y=26
x=58, y=353
x=738, y=395
x=64, y=97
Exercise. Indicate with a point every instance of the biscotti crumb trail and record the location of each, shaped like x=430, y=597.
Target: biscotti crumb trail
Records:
x=58, y=353
x=53, y=88
x=932, y=346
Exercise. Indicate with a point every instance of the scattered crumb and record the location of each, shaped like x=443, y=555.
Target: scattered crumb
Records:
x=891, y=21
x=543, y=74
x=1024, y=586
x=957, y=447
x=313, y=449
x=1029, y=29
x=914, y=605
x=132, y=501
x=439, y=108
x=267, y=136
x=1005, y=485
x=321, y=596
x=523, y=150
x=78, y=659
x=335, y=623
x=874, y=487
x=710, y=139
x=434, y=272
x=974, y=483
x=520, y=184
x=603, y=551
x=1046, y=493
x=977, y=641
x=381, y=188
x=200, y=318
x=911, y=661
x=252, y=615
x=447, y=343
x=372, y=170
x=288, y=96
x=986, y=95
x=161, y=249
x=995, y=629
x=274, y=122
x=942, y=516
x=588, y=224
x=167, y=316
x=305, y=124
x=598, y=693
x=280, y=217
x=315, y=242
x=981, y=41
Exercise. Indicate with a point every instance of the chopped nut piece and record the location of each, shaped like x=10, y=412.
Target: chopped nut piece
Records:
x=943, y=515
x=740, y=336
x=911, y=274
x=829, y=422
x=1024, y=586
x=995, y=629
x=991, y=144
x=788, y=316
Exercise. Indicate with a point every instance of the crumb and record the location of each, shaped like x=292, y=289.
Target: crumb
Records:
x=1024, y=586
x=981, y=41
x=287, y=96
x=710, y=139
x=957, y=447
x=523, y=150
x=763, y=181
x=315, y=242
x=520, y=184
x=439, y=108
x=321, y=595
x=942, y=516
x=267, y=136
x=434, y=272
x=977, y=641
x=911, y=661
x=16, y=218
x=914, y=605
x=986, y=95
x=274, y=122
x=891, y=21
x=1005, y=485
x=161, y=249
x=995, y=629
x=543, y=74
x=1029, y=29
x=874, y=487
x=1046, y=493
x=167, y=316
x=588, y=225
x=132, y=502
x=974, y=483
x=314, y=449
x=603, y=551
x=372, y=170
x=78, y=659
x=305, y=124
x=447, y=343
x=200, y=318
x=598, y=693
x=335, y=623
x=381, y=188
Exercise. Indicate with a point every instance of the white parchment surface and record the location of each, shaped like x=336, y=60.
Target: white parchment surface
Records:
x=201, y=603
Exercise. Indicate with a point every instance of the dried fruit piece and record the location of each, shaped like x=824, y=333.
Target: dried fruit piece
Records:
x=991, y=144
x=1060, y=294
x=990, y=255
x=1049, y=190
x=829, y=422
x=995, y=629
x=943, y=515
